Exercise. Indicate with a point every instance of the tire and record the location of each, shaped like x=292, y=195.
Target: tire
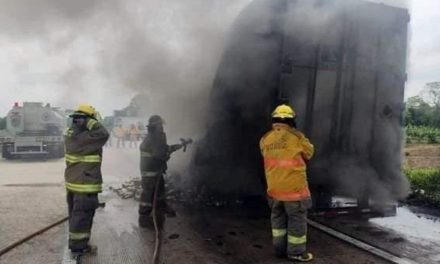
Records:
x=6, y=151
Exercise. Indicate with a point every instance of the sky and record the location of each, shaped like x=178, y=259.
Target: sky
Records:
x=71, y=53
x=424, y=49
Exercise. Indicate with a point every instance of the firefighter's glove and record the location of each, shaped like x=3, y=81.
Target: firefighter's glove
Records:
x=174, y=148
x=91, y=123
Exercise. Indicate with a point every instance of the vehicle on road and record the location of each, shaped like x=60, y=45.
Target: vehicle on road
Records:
x=33, y=130
x=342, y=66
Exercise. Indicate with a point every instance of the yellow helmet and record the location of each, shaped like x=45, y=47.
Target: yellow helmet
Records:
x=87, y=109
x=283, y=111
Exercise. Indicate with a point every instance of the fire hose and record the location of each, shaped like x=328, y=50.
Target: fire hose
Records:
x=157, y=241
x=39, y=232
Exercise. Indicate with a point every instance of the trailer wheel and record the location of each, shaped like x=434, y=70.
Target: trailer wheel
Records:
x=7, y=148
x=322, y=197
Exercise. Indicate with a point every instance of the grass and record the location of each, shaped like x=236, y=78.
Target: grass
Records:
x=425, y=185
x=422, y=134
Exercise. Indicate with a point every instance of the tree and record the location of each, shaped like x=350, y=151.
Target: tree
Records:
x=432, y=93
x=424, y=110
x=415, y=102
x=418, y=112
x=433, y=90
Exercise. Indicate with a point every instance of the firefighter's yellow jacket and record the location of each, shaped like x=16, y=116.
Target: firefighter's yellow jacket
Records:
x=285, y=151
x=119, y=132
x=134, y=133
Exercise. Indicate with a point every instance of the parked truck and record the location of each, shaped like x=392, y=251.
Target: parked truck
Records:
x=33, y=130
x=342, y=66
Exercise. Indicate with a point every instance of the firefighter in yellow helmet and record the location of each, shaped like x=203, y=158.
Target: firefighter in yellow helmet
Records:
x=285, y=151
x=83, y=153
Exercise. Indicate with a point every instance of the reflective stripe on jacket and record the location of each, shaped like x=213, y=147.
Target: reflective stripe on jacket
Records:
x=284, y=151
x=82, y=158
x=84, y=188
x=83, y=155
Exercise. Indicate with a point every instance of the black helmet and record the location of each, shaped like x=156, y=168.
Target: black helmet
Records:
x=155, y=120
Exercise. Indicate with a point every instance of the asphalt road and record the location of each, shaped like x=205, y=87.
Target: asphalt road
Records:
x=195, y=236
x=32, y=196
x=32, y=193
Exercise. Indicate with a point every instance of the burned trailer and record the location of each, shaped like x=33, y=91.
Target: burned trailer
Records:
x=342, y=66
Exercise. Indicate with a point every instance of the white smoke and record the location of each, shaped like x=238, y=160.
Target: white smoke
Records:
x=104, y=52
x=396, y=3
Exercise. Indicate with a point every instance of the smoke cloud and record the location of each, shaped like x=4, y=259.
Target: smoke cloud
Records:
x=104, y=52
x=396, y=3
x=353, y=117
x=168, y=50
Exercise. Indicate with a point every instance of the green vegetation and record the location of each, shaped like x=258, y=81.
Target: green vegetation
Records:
x=420, y=113
x=422, y=134
x=422, y=116
x=425, y=185
x=422, y=122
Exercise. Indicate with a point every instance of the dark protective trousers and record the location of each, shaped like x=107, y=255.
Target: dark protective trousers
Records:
x=289, y=226
x=81, y=212
x=149, y=180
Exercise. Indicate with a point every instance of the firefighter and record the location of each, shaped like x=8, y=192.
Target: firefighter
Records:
x=133, y=135
x=120, y=135
x=285, y=151
x=154, y=152
x=83, y=153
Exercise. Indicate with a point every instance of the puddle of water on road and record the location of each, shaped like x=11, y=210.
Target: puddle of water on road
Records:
x=420, y=228
x=122, y=214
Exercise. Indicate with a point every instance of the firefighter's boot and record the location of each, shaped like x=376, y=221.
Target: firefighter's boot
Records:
x=89, y=250
x=304, y=257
